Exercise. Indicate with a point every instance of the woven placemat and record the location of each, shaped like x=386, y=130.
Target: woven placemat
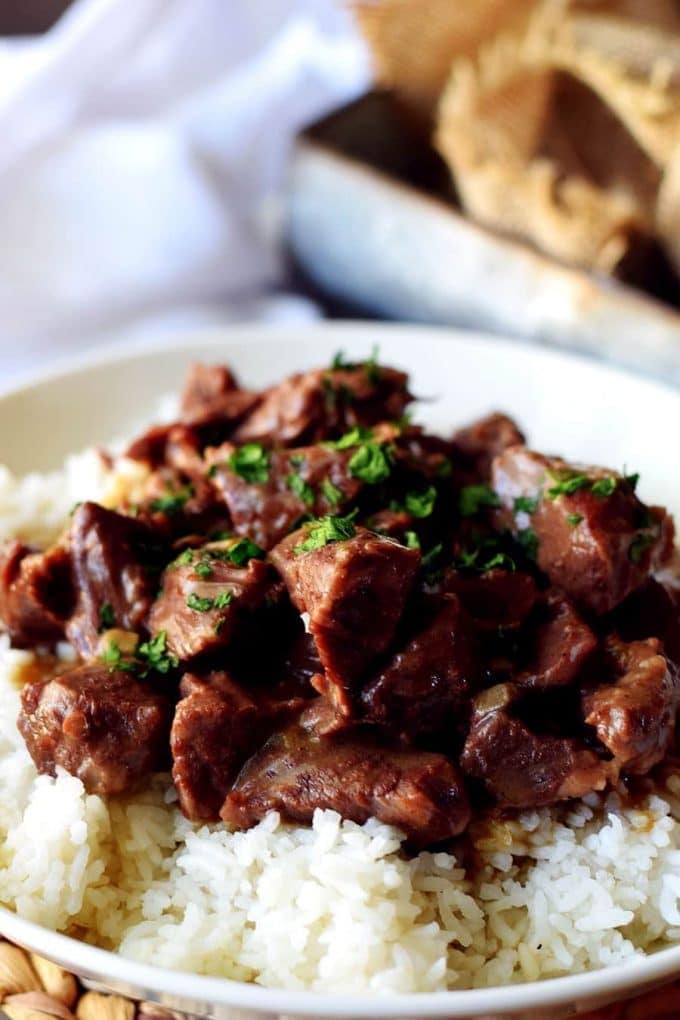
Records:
x=32, y=988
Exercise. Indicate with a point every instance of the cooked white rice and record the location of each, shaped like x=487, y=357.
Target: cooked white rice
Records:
x=335, y=907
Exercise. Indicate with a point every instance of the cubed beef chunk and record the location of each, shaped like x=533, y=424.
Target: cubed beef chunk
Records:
x=114, y=562
x=496, y=598
x=653, y=610
x=354, y=592
x=213, y=732
x=106, y=728
x=477, y=444
x=295, y=773
x=173, y=446
x=36, y=594
x=393, y=523
x=560, y=643
x=427, y=684
x=174, y=506
x=292, y=485
x=595, y=539
x=634, y=717
x=212, y=396
x=203, y=595
x=522, y=769
x=321, y=404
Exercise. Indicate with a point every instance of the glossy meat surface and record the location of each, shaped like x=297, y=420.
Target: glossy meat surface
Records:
x=106, y=728
x=354, y=593
x=296, y=773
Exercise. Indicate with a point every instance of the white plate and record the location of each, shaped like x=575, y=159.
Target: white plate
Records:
x=568, y=405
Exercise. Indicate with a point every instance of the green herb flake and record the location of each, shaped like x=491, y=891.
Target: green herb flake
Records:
x=107, y=617
x=251, y=463
x=372, y=369
x=573, y=520
x=372, y=463
x=173, y=501
x=297, y=460
x=430, y=558
x=154, y=653
x=301, y=489
x=327, y=529
x=526, y=504
x=528, y=539
x=331, y=493
x=200, y=605
x=243, y=551
x=604, y=487
x=224, y=599
x=75, y=507
x=445, y=468
x=354, y=437
x=203, y=568
x=411, y=540
x=212, y=471
x=568, y=483
x=473, y=498
x=420, y=504
x=185, y=558
x=631, y=480
x=339, y=362
x=112, y=655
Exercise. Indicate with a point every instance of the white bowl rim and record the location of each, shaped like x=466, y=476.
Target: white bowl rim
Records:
x=606, y=983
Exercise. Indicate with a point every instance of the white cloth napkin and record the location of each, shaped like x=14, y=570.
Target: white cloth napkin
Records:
x=144, y=150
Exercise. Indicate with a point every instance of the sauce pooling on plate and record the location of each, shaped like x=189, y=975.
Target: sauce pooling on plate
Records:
x=314, y=603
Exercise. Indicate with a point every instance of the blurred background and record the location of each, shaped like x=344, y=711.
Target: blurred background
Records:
x=511, y=166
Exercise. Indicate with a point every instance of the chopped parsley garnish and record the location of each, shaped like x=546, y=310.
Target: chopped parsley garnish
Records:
x=486, y=555
x=568, y=483
x=604, y=486
x=631, y=480
x=147, y=657
x=411, y=540
x=203, y=568
x=222, y=600
x=371, y=366
x=430, y=558
x=173, y=501
x=339, y=361
x=107, y=617
x=251, y=463
x=526, y=504
x=331, y=493
x=327, y=529
x=297, y=460
x=372, y=463
x=473, y=497
x=301, y=489
x=573, y=520
x=417, y=504
x=528, y=539
x=242, y=552
x=212, y=471
x=354, y=437
x=639, y=546
x=154, y=653
x=185, y=558
x=200, y=605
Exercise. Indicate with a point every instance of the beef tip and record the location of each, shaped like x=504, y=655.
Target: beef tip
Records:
x=205, y=592
x=106, y=728
x=428, y=683
x=476, y=445
x=322, y=404
x=634, y=717
x=36, y=595
x=421, y=454
x=653, y=610
x=354, y=592
x=213, y=732
x=175, y=507
x=393, y=523
x=351, y=773
x=496, y=598
x=212, y=396
x=114, y=560
x=173, y=446
x=292, y=485
x=595, y=539
x=560, y=644
x=522, y=769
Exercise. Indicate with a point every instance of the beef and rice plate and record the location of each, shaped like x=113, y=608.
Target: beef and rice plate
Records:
x=307, y=602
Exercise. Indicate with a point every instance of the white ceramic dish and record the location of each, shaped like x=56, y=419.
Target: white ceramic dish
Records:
x=582, y=409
